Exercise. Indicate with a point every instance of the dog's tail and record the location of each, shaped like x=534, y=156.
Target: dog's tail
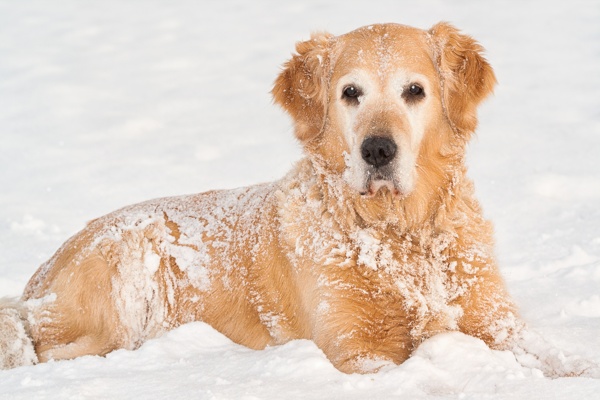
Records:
x=16, y=346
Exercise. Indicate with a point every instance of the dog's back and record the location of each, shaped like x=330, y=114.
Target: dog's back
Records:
x=145, y=269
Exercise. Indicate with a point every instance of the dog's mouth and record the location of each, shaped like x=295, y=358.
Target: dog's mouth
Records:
x=377, y=181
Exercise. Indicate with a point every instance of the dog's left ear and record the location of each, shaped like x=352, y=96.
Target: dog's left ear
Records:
x=467, y=78
x=301, y=88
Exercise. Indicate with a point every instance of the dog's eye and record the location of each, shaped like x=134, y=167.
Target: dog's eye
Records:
x=351, y=91
x=351, y=94
x=413, y=92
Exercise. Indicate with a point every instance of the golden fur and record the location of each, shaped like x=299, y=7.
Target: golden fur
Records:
x=366, y=268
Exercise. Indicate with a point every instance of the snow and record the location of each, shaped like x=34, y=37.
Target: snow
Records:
x=110, y=103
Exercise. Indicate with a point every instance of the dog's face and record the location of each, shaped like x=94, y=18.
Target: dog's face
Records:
x=384, y=94
x=367, y=103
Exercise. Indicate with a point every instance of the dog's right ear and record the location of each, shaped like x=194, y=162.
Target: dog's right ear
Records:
x=301, y=88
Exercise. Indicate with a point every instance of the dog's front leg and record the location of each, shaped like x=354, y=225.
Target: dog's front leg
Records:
x=361, y=333
x=355, y=352
x=490, y=315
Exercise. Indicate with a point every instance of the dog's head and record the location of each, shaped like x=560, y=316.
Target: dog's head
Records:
x=376, y=104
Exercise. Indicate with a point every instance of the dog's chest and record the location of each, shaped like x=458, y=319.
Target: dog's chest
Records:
x=393, y=275
x=402, y=276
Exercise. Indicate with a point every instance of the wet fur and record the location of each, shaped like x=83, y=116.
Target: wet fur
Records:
x=366, y=277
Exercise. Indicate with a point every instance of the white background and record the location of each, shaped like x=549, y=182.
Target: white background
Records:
x=108, y=103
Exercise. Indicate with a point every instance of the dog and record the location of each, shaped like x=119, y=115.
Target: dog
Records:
x=371, y=244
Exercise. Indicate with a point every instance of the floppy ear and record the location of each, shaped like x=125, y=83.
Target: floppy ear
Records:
x=301, y=88
x=467, y=78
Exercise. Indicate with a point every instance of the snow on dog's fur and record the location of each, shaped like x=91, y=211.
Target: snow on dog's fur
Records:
x=371, y=244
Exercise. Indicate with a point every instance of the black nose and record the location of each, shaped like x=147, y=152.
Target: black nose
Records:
x=378, y=151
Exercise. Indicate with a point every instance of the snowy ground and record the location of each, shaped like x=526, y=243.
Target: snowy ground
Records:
x=108, y=103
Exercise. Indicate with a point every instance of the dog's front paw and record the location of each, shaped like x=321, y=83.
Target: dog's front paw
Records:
x=578, y=366
x=534, y=352
x=365, y=365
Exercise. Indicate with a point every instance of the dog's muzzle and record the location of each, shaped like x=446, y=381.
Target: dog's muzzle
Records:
x=378, y=152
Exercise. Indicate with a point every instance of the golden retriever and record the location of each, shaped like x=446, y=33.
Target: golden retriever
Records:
x=371, y=244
